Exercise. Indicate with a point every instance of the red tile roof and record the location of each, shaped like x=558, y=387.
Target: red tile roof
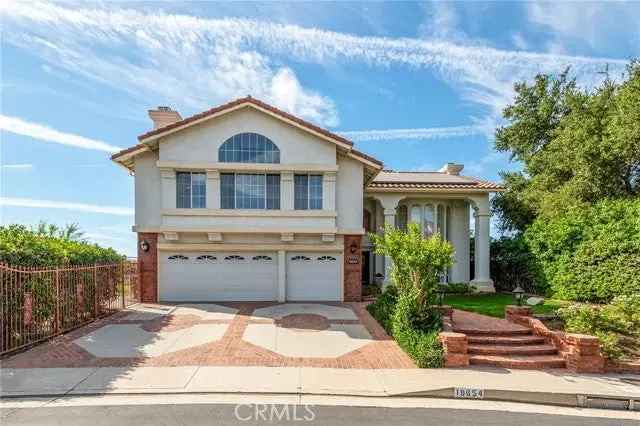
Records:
x=429, y=180
x=238, y=102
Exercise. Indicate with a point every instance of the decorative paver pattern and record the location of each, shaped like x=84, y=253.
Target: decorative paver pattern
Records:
x=379, y=351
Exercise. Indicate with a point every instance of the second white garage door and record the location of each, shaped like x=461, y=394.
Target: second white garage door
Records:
x=215, y=276
x=314, y=276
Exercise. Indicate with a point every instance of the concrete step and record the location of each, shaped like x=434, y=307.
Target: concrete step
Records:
x=494, y=332
x=506, y=340
x=537, y=362
x=512, y=350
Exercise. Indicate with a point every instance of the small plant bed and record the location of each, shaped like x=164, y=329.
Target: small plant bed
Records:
x=494, y=304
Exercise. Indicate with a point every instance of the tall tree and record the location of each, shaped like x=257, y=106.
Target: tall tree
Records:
x=576, y=146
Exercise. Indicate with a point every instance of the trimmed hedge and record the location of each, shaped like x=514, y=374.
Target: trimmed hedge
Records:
x=21, y=246
x=415, y=332
x=590, y=254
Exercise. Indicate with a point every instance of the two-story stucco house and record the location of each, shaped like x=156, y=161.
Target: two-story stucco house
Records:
x=246, y=202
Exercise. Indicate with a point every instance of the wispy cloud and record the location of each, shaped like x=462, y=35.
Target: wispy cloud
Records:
x=17, y=166
x=411, y=134
x=47, y=134
x=77, y=207
x=197, y=61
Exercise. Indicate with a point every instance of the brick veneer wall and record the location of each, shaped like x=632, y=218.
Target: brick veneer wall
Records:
x=148, y=267
x=352, y=271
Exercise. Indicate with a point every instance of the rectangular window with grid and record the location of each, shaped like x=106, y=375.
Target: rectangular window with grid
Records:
x=307, y=192
x=191, y=190
x=249, y=191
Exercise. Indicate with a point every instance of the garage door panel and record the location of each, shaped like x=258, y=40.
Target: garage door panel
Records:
x=314, y=276
x=218, y=276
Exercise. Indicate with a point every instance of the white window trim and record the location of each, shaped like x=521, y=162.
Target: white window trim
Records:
x=308, y=175
x=191, y=173
x=235, y=196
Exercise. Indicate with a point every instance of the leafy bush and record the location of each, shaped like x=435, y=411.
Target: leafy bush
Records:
x=382, y=309
x=513, y=264
x=458, y=288
x=21, y=246
x=613, y=323
x=418, y=262
x=590, y=254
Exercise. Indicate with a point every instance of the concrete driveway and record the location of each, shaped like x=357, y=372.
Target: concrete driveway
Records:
x=329, y=335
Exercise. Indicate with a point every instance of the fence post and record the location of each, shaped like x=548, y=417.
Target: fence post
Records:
x=122, y=275
x=95, y=290
x=57, y=278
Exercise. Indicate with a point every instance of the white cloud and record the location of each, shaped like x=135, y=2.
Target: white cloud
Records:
x=411, y=134
x=601, y=25
x=519, y=41
x=17, y=166
x=47, y=134
x=197, y=61
x=77, y=207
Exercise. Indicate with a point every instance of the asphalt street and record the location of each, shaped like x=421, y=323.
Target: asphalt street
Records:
x=262, y=414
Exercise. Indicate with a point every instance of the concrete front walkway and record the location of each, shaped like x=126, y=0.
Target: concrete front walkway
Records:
x=329, y=335
x=515, y=385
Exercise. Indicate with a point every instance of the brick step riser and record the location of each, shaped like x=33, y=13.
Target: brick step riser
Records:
x=518, y=364
x=502, y=333
x=513, y=350
x=505, y=341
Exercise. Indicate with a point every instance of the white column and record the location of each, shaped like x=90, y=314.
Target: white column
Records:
x=482, y=279
x=213, y=189
x=168, y=188
x=459, y=238
x=435, y=218
x=282, y=276
x=286, y=191
x=389, y=219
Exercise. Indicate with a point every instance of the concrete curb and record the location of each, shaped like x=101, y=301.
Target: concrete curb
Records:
x=615, y=402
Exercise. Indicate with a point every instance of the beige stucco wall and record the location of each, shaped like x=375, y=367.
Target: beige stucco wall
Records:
x=349, y=194
x=200, y=143
x=147, y=191
x=155, y=189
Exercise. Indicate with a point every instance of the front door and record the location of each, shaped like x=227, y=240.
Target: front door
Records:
x=366, y=278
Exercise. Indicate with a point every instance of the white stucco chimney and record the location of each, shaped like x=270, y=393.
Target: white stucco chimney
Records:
x=452, y=169
x=163, y=116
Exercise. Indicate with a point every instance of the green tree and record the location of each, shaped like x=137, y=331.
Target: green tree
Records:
x=70, y=231
x=576, y=147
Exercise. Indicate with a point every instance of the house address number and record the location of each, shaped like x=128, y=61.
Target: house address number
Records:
x=468, y=393
x=353, y=260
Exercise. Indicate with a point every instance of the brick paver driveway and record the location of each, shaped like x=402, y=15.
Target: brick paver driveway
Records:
x=235, y=334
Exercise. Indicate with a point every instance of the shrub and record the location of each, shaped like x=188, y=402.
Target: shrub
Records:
x=382, y=309
x=590, y=254
x=417, y=261
x=458, y=288
x=21, y=246
x=612, y=323
x=416, y=331
x=513, y=264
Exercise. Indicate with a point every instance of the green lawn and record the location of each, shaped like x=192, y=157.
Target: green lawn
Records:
x=494, y=304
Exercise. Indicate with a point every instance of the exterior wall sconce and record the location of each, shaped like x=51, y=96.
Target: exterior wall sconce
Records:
x=144, y=245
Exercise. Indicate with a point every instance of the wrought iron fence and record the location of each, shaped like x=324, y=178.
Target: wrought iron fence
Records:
x=39, y=303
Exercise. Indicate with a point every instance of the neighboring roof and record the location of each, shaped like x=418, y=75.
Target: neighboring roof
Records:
x=392, y=181
x=233, y=105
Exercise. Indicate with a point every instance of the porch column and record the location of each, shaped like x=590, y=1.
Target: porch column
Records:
x=389, y=219
x=482, y=279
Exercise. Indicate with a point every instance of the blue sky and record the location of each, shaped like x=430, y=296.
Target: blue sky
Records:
x=413, y=84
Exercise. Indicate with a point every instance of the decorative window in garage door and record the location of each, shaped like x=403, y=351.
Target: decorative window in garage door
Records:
x=300, y=259
x=262, y=258
x=206, y=258
x=234, y=258
x=177, y=258
x=327, y=259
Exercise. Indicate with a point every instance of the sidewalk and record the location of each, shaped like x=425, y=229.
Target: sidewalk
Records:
x=544, y=387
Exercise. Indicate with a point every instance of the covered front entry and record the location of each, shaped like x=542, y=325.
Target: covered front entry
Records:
x=313, y=276
x=218, y=276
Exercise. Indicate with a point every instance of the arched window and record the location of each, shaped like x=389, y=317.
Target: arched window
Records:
x=248, y=148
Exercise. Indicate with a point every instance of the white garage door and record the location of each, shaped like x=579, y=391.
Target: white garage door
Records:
x=218, y=276
x=314, y=276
